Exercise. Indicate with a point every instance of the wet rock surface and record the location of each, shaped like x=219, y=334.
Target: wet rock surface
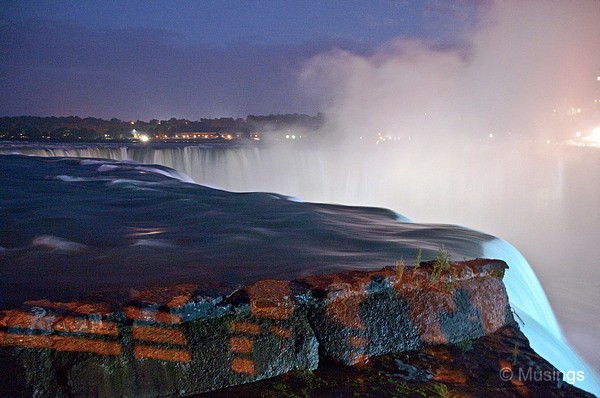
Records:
x=501, y=364
x=361, y=314
x=187, y=339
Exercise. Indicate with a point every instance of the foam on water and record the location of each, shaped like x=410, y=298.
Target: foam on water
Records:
x=528, y=300
x=153, y=243
x=522, y=285
x=66, y=178
x=557, y=351
x=169, y=173
x=103, y=167
x=56, y=243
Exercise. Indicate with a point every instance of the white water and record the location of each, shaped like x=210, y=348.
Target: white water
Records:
x=539, y=197
x=53, y=242
x=536, y=318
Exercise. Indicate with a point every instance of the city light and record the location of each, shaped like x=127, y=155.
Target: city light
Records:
x=140, y=136
x=592, y=140
x=595, y=136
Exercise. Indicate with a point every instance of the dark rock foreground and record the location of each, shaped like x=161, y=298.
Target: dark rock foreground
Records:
x=399, y=326
x=468, y=369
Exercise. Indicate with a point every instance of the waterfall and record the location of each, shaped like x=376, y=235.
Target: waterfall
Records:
x=472, y=186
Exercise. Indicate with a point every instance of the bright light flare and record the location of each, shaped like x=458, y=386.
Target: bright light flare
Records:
x=592, y=140
x=596, y=135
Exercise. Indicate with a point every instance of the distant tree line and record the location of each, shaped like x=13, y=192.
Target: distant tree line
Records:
x=74, y=128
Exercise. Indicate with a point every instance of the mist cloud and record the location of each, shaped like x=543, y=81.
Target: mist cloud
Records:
x=506, y=78
x=522, y=61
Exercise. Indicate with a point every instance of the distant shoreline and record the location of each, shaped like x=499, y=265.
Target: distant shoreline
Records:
x=76, y=129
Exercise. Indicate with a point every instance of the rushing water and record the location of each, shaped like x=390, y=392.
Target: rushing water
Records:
x=73, y=226
x=116, y=224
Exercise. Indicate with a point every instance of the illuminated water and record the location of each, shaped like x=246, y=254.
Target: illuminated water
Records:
x=541, y=198
x=73, y=226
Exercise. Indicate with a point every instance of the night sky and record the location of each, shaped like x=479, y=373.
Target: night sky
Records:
x=194, y=59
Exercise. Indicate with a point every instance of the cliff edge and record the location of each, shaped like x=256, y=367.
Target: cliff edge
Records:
x=398, y=326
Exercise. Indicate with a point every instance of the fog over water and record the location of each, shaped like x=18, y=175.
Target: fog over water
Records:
x=477, y=130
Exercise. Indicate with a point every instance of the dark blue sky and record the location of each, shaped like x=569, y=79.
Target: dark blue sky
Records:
x=193, y=59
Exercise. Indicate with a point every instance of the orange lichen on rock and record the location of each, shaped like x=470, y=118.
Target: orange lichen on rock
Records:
x=151, y=315
x=281, y=331
x=449, y=375
x=158, y=334
x=269, y=327
x=70, y=324
x=488, y=296
x=241, y=345
x=243, y=365
x=164, y=354
x=271, y=299
x=85, y=308
x=346, y=310
x=245, y=327
x=355, y=282
x=441, y=353
x=25, y=341
x=425, y=307
x=21, y=319
x=60, y=343
x=170, y=296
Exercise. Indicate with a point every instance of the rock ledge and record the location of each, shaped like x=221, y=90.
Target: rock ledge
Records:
x=187, y=339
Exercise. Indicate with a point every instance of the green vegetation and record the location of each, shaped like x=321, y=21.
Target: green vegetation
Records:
x=400, y=267
x=451, y=286
x=418, y=260
x=343, y=382
x=498, y=273
x=440, y=389
x=465, y=345
x=441, y=265
x=515, y=354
